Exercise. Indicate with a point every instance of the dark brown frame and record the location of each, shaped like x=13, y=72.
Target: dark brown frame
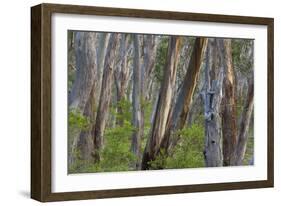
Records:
x=41, y=101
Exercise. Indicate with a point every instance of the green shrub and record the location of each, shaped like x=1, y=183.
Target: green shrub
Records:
x=76, y=120
x=116, y=154
x=187, y=153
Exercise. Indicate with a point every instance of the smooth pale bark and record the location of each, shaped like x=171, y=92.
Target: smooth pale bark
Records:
x=149, y=60
x=101, y=52
x=86, y=70
x=122, y=74
x=184, y=98
x=163, y=105
x=212, y=100
x=136, y=121
x=229, y=103
x=85, y=142
x=105, y=97
x=245, y=123
x=148, y=63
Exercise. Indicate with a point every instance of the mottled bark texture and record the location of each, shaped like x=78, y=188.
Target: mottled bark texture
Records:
x=149, y=59
x=85, y=142
x=136, y=121
x=122, y=74
x=86, y=70
x=147, y=67
x=245, y=123
x=212, y=100
x=181, y=107
x=229, y=103
x=163, y=105
x=105, y=97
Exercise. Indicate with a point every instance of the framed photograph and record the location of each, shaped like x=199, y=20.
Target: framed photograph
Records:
x=128, y=102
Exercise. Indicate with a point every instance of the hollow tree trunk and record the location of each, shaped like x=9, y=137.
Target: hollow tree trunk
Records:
x=229, y=103
x=105, y=97
x=212, y=100
x=245, y=123
x=136, y=121
x=164, y=103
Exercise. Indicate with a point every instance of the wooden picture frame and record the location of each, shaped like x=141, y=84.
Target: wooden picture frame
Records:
x=41, y=96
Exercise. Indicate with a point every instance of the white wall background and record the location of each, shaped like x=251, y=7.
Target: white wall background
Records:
x=15, y=102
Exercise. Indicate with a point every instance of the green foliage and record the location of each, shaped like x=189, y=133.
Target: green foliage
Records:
x=126, y=107
x=76, y=120
x=241, y=55
x=187, y=153
x=116, y=154
x=161, y=55
x=79, y=165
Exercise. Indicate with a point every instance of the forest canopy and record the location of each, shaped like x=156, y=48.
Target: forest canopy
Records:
x=147, y=102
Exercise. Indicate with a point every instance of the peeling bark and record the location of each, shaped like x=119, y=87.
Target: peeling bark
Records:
x=212, y=100
x=163, y=105
x=229, y=103
x=85, y=142
x=181, y=107
x=105, y=97
x=86, y=65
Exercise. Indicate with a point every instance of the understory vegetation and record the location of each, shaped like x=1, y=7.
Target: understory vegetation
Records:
x=148, y=102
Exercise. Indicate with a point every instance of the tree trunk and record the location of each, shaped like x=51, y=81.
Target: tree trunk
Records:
x=122, y=75
x=136, y=121
x=163, y=105
x=212, y=101
x=149, y=59
x=101, y=52
x=86, y=70
x=85, y=142
x=245, y=123
x=229, y=128
x=184, y=99
x=147, y=67
x=105, y=97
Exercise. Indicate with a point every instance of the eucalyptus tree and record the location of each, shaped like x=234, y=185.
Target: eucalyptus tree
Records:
x=163, y=104
x=212, y=97
x=86, y=71
x=105, y=97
